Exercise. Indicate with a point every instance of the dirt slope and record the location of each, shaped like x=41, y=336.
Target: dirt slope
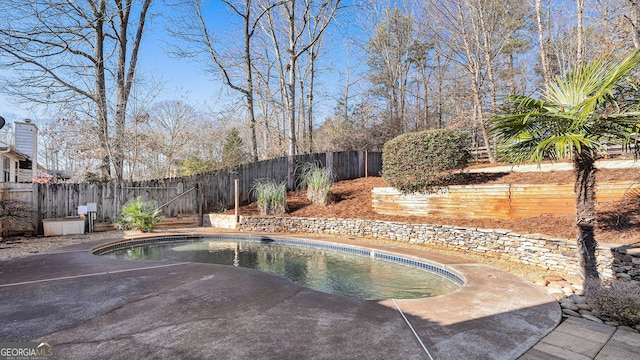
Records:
x=618, y=223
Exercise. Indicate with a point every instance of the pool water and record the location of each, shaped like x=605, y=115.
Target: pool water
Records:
x=324, y=270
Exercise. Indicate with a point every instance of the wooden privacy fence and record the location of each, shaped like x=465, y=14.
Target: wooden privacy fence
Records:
x=503, y=201
x=480, y=153
x=195, y=194
x=22, y=193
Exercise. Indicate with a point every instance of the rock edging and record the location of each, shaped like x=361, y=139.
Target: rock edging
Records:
x=617, y=262
x=572, y=301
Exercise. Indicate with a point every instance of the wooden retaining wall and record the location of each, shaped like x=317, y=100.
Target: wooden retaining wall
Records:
x=501, y=201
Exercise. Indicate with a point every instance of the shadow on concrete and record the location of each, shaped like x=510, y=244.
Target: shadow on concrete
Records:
x=88, y=306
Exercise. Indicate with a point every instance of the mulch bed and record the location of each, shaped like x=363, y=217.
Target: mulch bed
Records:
x=618, y=222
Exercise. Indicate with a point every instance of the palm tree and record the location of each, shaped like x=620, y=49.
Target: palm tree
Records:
x=579, y=114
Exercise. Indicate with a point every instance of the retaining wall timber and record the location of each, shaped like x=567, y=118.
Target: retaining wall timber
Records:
x=622, y=262
x=498, y=201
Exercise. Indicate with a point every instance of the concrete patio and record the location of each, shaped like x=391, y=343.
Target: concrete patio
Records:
x=90, y=306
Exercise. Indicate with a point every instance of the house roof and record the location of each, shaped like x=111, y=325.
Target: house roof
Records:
x=4, y=149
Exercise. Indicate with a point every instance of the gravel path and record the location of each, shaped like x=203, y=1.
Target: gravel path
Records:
x=23, y=246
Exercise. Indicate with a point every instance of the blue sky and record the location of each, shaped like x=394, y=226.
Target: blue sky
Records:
x=185, y=79
x=180, y=76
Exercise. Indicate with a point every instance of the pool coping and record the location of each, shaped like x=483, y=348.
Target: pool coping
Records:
x=505, y=292
x=434, y=267
x=495, y=315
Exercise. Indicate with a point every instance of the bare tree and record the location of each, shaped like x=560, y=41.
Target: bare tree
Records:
x=474, y=66
x=125, y=76
x=269, y=101
x=313, y=55
x=421, y=57
x=633, y=18
x=390, y=59
x=297, y=16
x=170, y=128
x=69, y=142
x=192, y=29
x=580, y=32
x=13, y=211
x=61, y=51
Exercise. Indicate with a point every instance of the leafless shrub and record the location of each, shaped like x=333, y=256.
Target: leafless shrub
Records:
x=14, y=211
x=615, y=300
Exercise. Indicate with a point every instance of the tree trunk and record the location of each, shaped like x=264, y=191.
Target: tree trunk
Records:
x=101, y=89
x=580, y=50
x=634, y=22
x=512, y=74
x=302, y=107
x=281, y=117
x=425, y=85
x=121, y=94
x=474, y=71
x=125, y=78
x=584, y=188
x=544, y=60
x=291, y=85
x=487, y=56
x=249, y=87
x=312, y=73
x=440, y=93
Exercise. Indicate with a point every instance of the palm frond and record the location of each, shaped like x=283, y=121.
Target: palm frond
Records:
x=579, y=112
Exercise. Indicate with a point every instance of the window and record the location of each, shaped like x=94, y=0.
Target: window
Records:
x=6, y=169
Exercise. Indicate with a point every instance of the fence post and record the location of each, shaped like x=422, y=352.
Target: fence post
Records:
x=5, y=197
x=237, y=199
x=200, y=201
x=290, y=171
x=35, y=196
x=366, y=163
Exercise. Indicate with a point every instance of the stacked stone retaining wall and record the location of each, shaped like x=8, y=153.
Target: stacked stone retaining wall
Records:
x=548, y=253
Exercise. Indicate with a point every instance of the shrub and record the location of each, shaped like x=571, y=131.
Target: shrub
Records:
x=421, y=161
x=271, y=196
x=138, y=215
x=615, y=300
x=318, y=181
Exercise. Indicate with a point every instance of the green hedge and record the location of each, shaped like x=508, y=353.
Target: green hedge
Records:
x=420, y=161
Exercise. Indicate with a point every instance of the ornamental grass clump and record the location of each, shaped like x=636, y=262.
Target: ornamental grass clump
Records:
x=318, y=181
x=139, y=215
x=271, y=196
x=615, y=300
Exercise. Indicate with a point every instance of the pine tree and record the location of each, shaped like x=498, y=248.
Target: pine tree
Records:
x=233, y=152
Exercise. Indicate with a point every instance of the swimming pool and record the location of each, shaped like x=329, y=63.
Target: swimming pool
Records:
x=327, y=267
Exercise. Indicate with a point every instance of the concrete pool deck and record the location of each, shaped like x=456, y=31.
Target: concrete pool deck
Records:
x=89, y=306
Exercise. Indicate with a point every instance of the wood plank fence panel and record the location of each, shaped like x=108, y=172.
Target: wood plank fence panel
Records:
x=216, y=188
x=374, y=163
x=23, y=193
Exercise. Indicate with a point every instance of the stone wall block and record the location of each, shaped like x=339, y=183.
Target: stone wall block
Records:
x=548, y=253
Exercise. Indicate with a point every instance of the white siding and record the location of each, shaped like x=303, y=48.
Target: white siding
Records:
x=26, y=141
